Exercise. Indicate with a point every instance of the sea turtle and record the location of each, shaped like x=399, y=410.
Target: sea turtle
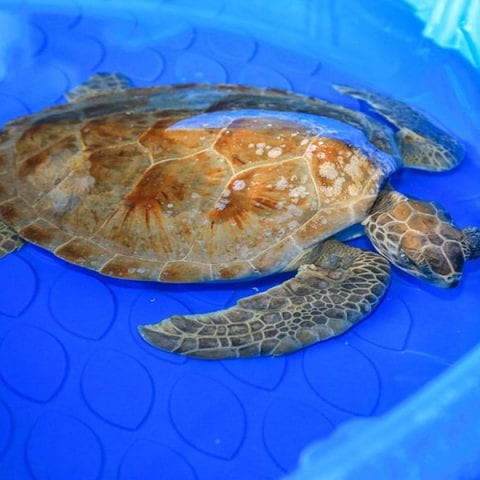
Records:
x=193, y=183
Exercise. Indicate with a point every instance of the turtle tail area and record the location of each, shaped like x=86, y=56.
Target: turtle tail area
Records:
x=323, y=300
x=422, y=144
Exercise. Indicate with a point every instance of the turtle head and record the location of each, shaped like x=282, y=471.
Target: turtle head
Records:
x=420, y=238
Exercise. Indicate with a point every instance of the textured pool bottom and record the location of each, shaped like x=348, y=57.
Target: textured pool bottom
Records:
x=82, y=396
x=87, y=365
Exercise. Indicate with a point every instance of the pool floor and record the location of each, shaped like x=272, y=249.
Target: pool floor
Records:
x=83, y=397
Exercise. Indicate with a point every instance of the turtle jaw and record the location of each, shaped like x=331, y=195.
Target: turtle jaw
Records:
x=432, y=265
x=450, y=281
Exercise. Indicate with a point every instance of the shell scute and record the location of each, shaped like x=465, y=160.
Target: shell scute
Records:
x=44, y=233
x=40, y=172
x=169, y=139
x=92, y=190
x=250, y=141
x=341, y=172
x=116, y=129
x=273, y=202
x=130, y=267
x=160, y=214
x=40, y=136
x=183, y=271
x=83, y=252
x=16, y=211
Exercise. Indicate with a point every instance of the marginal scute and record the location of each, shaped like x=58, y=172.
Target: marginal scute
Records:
x=277, y=257
x=15, y=212
x=131, y=267
x=228, y=271
x=83, y=252
x=41, y=232
x=181, y=272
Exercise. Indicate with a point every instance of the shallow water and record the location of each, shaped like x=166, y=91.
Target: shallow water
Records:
x=75, y=374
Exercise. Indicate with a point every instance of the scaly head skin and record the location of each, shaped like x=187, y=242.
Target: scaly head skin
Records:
x=420, y=238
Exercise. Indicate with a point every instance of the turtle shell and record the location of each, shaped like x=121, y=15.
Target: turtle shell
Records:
x=186, y=183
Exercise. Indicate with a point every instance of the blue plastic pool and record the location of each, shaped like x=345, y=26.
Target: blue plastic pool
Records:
x=83, y=397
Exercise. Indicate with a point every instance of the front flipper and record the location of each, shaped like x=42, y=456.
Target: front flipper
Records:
x=323, y=300
x=422, y=144
x=9, y=240
x=99, y=84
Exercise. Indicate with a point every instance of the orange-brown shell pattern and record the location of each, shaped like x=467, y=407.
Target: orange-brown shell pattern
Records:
x=183, y=184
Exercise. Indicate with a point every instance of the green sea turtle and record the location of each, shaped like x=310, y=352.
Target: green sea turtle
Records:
x=195, y=183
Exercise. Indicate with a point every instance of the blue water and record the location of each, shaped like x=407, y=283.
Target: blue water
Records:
x=81, y=395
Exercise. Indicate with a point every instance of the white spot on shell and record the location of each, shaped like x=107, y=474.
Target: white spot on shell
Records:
x=282, y=183
x=353, y=190
x=275, y=152
x=328, y=170
x=304, y=141
x=335, y=189
x=293, y=225
x=294, y=211
x=238, y=185
x=221, y=204
x=298, y=192
x=353, y=168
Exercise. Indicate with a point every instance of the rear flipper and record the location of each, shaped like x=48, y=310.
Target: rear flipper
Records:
x=9, y=240
x=321, y=301
x=422, y=144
